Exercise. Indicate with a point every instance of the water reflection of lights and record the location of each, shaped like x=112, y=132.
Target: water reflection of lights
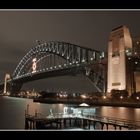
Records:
x=38, y=103
x=137, y=111
x=104, y=97
x=32, y=107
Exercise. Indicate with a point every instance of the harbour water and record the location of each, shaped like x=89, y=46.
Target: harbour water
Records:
x=12, y=111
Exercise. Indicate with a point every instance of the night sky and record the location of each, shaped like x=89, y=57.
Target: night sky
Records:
x=19, y=31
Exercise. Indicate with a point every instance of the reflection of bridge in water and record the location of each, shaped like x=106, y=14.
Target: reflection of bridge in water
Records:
x=52, y=59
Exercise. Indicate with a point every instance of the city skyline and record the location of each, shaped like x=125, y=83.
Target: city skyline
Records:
x=21, y=29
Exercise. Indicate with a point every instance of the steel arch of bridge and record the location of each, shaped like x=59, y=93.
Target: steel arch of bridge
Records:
x=71, y=54
x=76, y=59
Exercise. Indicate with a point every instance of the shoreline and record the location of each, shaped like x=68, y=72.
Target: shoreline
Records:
x=77, y=102
x=89, y=102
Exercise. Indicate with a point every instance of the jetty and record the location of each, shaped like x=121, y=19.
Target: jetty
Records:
x=63, y=121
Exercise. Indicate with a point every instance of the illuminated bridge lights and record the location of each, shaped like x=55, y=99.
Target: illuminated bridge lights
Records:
x=69, y=56
x=136, y=62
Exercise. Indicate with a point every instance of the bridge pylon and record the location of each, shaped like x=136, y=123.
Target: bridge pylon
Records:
x=119, y=76
x=7, y=77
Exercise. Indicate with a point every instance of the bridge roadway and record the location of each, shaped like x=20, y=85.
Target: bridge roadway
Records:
x=63, y=121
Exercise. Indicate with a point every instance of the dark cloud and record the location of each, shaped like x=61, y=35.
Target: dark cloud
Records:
x=20, y=29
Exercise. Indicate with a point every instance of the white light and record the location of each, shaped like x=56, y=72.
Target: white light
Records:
x=129, y=58
x=70, y=63
x=73, y=61
x=91, y=58
x=50, y=67
x=121, y=97
x=67, y=57
x=83, y=96
x=59, y=65
x=47, y=68
x=76, y=62
x=104, y=97
x=136, y=62
x=65, y=64
x=135, y=52
x=137, y=98
x=127, y=51
x=83, y=60
x=55, y=67
x=34, y=60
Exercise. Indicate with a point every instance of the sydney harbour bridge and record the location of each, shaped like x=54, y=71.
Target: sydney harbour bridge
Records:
x=54, y=58
x=51, y=59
